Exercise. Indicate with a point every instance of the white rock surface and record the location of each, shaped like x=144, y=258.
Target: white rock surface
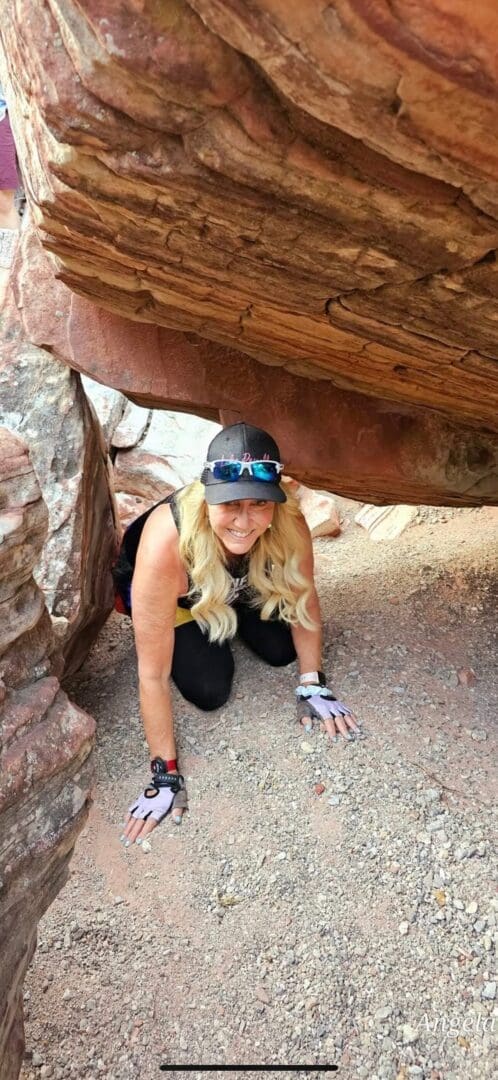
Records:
x=181, y=438
x=131, y=427
x=170, y=455
x=109, y=405
x=385, y=522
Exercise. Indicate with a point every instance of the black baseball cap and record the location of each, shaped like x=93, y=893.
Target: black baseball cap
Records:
x=242, y=442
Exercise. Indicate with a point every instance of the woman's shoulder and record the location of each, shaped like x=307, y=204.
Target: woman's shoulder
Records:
x=160, y=524
x=159, y=538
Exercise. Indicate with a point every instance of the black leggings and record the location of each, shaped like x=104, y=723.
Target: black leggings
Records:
x=203, y=671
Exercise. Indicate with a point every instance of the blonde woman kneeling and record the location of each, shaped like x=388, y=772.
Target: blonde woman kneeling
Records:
x=228, y=554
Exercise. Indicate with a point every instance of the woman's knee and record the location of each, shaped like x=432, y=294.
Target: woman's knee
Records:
x=279, y=653
x=208, y=696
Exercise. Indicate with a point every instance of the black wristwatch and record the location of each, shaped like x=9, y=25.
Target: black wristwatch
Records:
x=162, y=777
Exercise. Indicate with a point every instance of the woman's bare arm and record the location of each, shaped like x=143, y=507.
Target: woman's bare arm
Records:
x=308, y=643
x=158, y=580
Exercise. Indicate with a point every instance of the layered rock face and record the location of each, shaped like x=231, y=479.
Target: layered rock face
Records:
x=299, y=180
x=45, y=744
x=329, y=438
x=308, y=192
x=42, y=400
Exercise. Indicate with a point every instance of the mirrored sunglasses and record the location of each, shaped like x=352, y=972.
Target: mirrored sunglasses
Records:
x=233, y=470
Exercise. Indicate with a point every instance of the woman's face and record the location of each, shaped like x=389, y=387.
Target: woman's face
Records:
x=239, y=524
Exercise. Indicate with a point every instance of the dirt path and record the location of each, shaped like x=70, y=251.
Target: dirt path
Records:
x=277, y=925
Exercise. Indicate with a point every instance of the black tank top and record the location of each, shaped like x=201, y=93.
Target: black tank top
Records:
x=237, y=565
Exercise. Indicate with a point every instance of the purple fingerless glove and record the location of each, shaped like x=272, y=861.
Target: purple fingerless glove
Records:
x=318, y=702
x=321, y=708
x=155, y=802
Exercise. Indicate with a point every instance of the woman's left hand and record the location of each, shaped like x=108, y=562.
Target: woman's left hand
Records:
x=336, y=717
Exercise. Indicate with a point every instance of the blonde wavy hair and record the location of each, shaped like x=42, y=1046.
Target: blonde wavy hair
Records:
x=278, y=586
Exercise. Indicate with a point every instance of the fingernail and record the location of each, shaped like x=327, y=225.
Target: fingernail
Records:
x=127, y=843
x=121, y=838
x=349, y=736
x=335, y=738
x=178, y=820
x=139, y=840
x=308, y=728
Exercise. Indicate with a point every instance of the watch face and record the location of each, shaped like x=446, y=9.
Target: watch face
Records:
x=158, y=765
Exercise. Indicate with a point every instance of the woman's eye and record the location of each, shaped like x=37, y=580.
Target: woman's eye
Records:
x=261, y=503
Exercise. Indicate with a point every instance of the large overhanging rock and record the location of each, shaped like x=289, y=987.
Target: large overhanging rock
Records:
x=314, y=186
x=329, y=438
x=45, y=744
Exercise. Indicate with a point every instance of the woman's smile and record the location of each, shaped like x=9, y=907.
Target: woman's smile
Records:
x=239, y=535
x=240, y=524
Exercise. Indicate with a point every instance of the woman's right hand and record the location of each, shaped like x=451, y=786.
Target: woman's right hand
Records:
x=151, y=807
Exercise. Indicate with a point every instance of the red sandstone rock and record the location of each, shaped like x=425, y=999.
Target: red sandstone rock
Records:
x=313, y=187
x=42, y=399
x=320, y=512
x=149, y=476
x=466, y=676
x=130, y=507
x=45, y=744
x=329, y=438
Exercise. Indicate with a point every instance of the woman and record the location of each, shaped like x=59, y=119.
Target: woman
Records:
x=229, y=553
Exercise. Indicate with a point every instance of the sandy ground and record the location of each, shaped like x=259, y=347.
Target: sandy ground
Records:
x=354, y=927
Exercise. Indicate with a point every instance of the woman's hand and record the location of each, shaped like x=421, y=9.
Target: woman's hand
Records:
x=162, y=796
x=336, y=717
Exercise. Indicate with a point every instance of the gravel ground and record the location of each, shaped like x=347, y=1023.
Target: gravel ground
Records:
x=278, y=924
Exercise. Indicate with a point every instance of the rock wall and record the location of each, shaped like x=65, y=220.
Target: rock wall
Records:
x=330, y=438
x=45, y=744
x=42, y=400
x=311, y=185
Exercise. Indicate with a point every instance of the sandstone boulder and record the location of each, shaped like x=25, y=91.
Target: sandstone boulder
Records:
x=170, y=455
x=131, y=427
x=330, y=438
x=319, y=509
x=42, y=400
x=385, y=522
x=130, y=507
x=108, y=404
x=312, y=187
x=182, y=439
x=149, y=476
x=45, y=744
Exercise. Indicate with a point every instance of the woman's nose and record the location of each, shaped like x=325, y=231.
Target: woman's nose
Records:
x=242, y=519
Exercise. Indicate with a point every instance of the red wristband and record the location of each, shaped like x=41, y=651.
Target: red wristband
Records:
x=158, y=765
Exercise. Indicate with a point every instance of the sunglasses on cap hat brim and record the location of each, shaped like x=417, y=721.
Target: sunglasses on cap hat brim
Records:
x=230, y=471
